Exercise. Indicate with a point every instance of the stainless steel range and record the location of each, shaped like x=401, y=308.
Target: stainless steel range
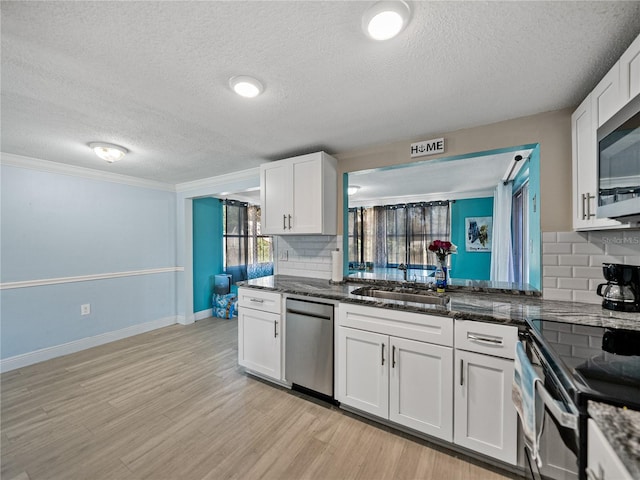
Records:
x=577, y=363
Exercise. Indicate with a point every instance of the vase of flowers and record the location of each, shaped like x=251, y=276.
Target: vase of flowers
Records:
x=442, y=249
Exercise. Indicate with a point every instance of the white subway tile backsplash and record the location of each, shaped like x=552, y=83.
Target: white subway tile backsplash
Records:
x=571, y=237
x=586, y=296
x=308, y=255
x=587, y=272
x=556, y=248
x=575, y=276
x=573, y=283
x=598, y=260
x=557, y=294
x=587, y=249
x=573, y=260
x=553, y=271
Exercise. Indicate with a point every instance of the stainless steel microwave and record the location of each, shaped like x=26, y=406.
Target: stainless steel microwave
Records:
x=619, y=165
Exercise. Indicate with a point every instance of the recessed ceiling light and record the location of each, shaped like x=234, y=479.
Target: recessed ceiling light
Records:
x=107, y=151
x=246, y=86
x=385, y=20
x=352, y=189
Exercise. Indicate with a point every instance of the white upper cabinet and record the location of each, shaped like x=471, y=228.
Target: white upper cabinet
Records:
x=585, y=169
x=614, y=91
x=299, y=195
x=606, y=97
x=630, y=72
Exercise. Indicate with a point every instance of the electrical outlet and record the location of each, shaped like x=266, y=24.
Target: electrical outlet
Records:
x=284, y=255
x=85, y=309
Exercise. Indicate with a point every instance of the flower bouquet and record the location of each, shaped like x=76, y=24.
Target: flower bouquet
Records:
x=442, y=248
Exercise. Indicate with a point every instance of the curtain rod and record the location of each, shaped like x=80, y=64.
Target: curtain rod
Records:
x=514, y=162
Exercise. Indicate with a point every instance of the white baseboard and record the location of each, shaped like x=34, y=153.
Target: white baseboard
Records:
x=186, y=319
x=25, y=359
x=202, y=314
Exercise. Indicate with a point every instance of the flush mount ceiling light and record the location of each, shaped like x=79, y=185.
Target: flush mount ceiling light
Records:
x=385, y=20
x=352, y=189
x=107, y=151
x=246, y=86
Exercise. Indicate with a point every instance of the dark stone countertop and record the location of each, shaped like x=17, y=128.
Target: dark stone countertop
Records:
x=493, y=305
x=621, y=428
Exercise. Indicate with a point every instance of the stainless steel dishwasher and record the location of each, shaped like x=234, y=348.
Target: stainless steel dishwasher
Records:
x=309, y=346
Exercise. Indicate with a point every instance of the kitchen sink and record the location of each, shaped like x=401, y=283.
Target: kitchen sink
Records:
x=403, y=294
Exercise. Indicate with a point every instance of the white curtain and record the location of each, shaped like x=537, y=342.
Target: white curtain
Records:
x=501, y=250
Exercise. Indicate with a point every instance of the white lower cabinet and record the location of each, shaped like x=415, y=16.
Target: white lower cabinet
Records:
x=260, y=332
x=485, y=418
x=364, y=374
x=420, y=389
x=602, y=461
x=405, y=381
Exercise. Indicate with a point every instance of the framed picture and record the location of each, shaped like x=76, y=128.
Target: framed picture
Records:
x=479, y=233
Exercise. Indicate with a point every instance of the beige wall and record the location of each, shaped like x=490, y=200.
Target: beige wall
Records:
x=552, y=130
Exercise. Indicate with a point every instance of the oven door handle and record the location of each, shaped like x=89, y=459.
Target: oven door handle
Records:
x=564, y=418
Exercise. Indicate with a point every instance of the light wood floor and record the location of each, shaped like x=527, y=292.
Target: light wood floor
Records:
x=173, y=404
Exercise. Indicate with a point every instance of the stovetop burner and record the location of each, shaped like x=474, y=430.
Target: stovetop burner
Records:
x=598, y=362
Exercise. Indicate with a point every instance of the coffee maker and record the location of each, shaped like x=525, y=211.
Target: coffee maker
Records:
x=622, y=290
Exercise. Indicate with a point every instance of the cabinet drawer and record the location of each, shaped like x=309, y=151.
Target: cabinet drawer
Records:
x=487, y=338
x=414, y=326
x=260, y=300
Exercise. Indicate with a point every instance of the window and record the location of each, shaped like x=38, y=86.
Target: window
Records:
x=386, y=236
x=247, y=253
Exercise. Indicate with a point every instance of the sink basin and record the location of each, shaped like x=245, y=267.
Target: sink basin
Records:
x=403, y=295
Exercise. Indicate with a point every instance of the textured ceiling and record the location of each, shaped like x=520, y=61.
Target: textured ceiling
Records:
x=153, y=76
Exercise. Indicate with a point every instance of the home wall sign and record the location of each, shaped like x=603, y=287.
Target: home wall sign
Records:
x=427, y=147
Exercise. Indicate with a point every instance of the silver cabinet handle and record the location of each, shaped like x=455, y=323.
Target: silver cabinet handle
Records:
x=584, y=209
x=479, y=339
x=284, y=221
x=275, y=329
x=256, y=300
x=461, y=372
x=589, y=198
x=289, y=222
x=393, y=357
x=382, y=353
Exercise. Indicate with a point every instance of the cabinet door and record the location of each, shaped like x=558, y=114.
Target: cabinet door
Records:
x=363, y=371
x=421, y=387
x=307, y=195
x=259, y=347
x=630, y=71
x=602, y=461
x=607, y=99
x=276, y=183
x=585, y=173
x=485, y=418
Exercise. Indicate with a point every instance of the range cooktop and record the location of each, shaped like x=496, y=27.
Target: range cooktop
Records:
x=593, y=362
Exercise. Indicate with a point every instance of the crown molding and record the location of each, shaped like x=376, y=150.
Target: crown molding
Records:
x=220, y=180
x=73, y=170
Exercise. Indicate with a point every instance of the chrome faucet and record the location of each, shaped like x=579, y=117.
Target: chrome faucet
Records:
x=404, y=269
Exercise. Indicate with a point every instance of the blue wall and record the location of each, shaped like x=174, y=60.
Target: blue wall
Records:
x=469, y=265
x=207, y=249
x=535, y=232
x=55, y=225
